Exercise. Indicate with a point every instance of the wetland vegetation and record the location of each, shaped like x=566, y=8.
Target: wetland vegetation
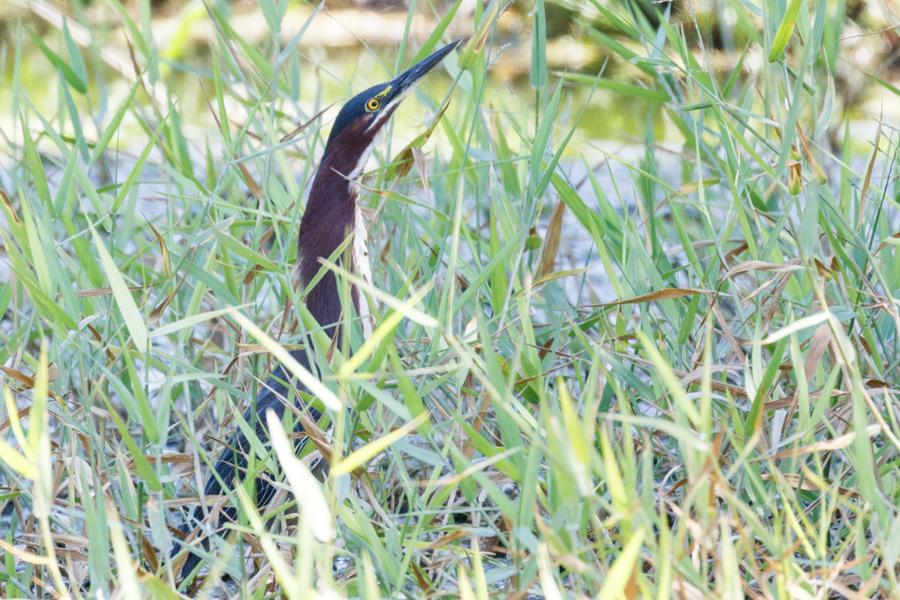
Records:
x=636, y=291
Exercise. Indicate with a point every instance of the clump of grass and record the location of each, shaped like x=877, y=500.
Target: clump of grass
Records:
x=719, y=420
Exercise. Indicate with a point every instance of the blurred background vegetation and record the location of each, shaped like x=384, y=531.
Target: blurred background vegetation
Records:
x=861, y=49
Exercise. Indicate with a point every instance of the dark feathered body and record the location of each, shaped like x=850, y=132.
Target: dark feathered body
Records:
x=331, y=215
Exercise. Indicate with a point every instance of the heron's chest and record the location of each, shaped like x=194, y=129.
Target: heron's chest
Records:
x=333, y=213
x=361, y=244
x=364, y=270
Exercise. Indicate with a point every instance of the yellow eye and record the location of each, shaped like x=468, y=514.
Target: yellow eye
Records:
x=373, y=104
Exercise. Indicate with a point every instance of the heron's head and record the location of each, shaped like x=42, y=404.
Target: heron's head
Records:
x=365, y=114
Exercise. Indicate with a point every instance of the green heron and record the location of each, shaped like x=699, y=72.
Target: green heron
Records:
x=332, y=213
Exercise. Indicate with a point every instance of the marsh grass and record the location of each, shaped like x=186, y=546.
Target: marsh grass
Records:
x=721, y=423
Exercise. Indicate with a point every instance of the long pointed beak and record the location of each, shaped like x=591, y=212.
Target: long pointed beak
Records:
x=409, y=78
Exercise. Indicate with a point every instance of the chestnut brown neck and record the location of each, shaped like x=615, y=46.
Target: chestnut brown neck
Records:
x=329, y=219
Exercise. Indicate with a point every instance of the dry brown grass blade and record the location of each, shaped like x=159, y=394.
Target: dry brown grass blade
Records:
x=424, y=585
x=807, y=484
x=99, y=338
x=476, y=43
x=697, y=373
x=551, y=240
x=26, y=381
x=813, y=163
x=107, y=291
x=149, y=553
x=449, y=538
x=759, y=265
x=742, y=246
x=821, y=339
x=255, y=189
x=819, y=343
x=837, y=443
x=666, y=294
x=718, y=386
x=893, y=240
x=9, y=207
x=23, y=555
x=163, y=252
x=251, y=274
x=21, y=415
x=763, y=286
